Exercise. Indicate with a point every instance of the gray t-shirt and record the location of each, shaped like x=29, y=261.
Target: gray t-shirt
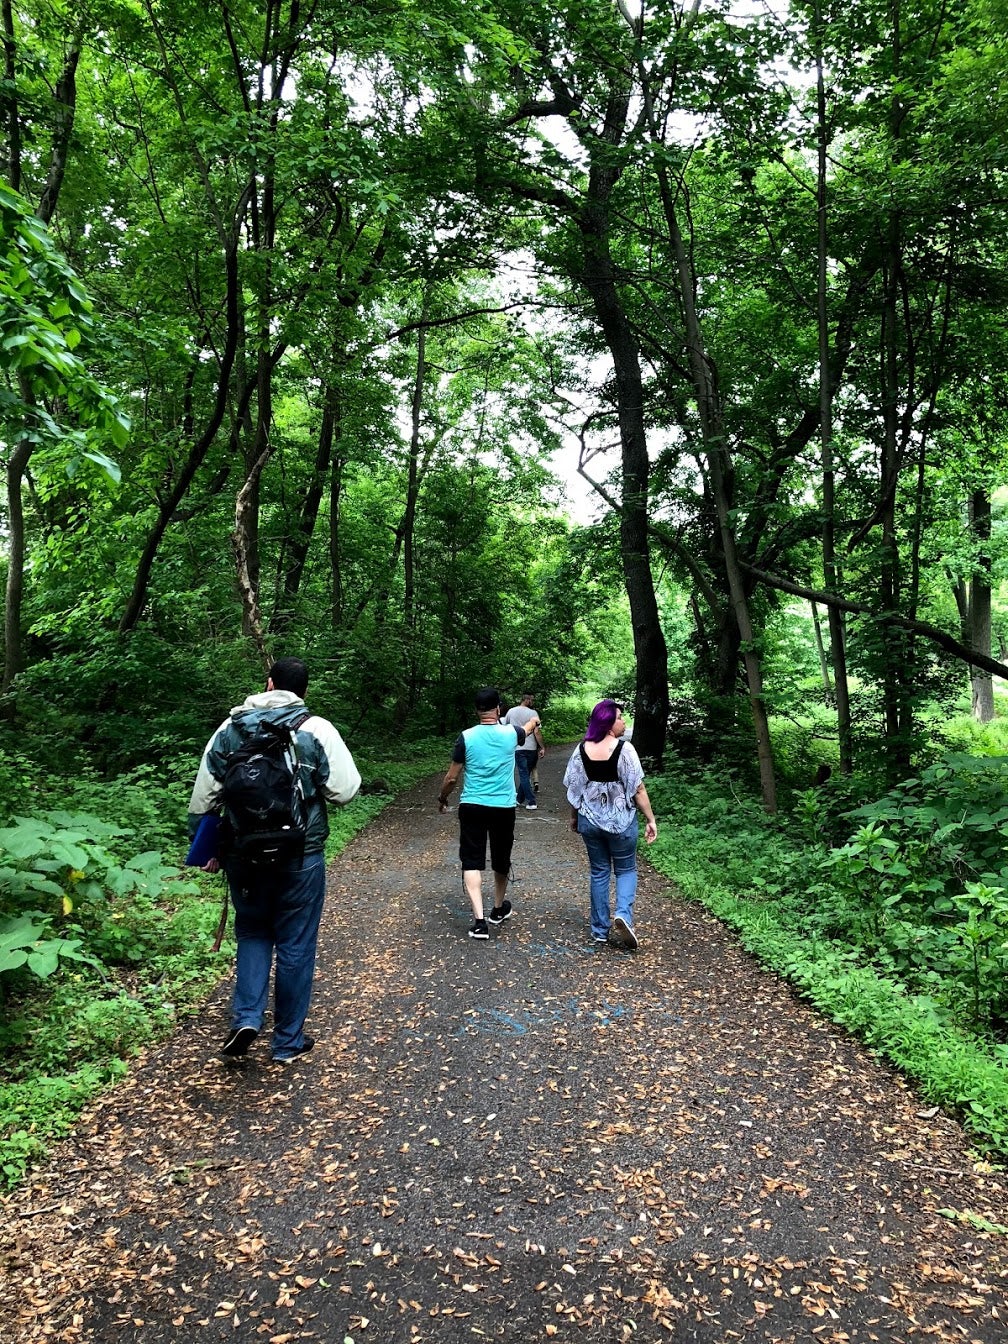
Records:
x=518, y=717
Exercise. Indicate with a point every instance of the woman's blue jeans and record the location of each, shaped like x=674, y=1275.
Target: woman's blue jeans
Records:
x=610, y=854
x=277, y=912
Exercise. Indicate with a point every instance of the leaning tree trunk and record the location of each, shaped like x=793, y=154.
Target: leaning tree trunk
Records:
x=199, y=448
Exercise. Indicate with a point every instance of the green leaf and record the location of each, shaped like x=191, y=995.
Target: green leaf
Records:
x=110, y=467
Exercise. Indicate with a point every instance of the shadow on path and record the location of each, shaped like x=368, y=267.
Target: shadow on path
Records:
x=526, y=1139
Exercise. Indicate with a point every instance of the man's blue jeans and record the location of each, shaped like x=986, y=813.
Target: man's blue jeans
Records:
x=276, y=911
x=526, y=793
x=609, y=854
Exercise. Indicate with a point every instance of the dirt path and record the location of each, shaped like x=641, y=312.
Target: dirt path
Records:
x=525, y=1139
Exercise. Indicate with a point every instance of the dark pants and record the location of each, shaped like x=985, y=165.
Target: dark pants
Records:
x=277, y=912
x=477, y=825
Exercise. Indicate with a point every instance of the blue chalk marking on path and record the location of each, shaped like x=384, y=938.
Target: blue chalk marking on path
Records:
x=553, y=950
x=497, y=1022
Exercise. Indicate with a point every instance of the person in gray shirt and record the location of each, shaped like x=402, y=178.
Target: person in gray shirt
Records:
x=519, y=716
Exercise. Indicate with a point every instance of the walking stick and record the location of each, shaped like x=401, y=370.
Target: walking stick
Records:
x=222, y=922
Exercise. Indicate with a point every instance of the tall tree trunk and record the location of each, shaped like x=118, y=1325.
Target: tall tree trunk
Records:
x=719, y=467
x=711, y=428
x=897, y=750
x=261, y=446
x=335, y=540
x=898, y=647
x=595, y=274
x=413, y=478
x=247, y=587
x=13, y=168
x=405, y=700
x=17, y=464
x=831, y=567
x=295, y=556
x=66, y=103
x=651, y=702
x=16, y=467
x=980, y=606
x=824, y=668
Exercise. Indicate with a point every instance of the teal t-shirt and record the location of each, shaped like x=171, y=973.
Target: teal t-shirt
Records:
x=487, y=751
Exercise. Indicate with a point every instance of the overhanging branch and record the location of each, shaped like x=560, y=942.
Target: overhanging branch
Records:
x=924, y=628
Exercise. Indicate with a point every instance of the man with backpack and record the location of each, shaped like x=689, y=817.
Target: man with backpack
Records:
x=271, y=768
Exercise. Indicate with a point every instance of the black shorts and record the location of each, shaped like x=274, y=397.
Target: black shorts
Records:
x=477, y=824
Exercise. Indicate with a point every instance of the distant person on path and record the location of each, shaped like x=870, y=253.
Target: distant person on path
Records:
x=277, y=908
x=527, y=756
x=486, y=752
x=534, y=770
x=605, y=788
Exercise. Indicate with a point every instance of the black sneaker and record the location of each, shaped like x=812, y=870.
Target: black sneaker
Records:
x=479, y=929
x=309, y=1044
x=623, y=934
x=499, y=913
x=238, y=1042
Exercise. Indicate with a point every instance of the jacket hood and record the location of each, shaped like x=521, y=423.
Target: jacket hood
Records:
x=280, y=706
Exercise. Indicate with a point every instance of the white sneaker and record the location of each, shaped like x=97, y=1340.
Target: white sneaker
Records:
x=531, y=807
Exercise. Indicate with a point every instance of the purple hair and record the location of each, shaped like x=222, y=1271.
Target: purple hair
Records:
x=603, y=716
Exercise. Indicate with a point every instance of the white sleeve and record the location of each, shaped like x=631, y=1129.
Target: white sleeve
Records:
x=344, y=778
x=206, y=790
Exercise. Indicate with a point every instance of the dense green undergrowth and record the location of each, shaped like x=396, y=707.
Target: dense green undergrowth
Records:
x=105, y=939
x=890, y=916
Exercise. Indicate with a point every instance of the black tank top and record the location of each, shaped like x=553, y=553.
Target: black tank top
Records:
x=602, y=772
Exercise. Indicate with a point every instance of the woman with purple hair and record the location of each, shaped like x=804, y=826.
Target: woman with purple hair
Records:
x=605, y=788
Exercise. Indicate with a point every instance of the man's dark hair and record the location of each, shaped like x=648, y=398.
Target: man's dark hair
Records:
x=487, y=697
x=289, y=674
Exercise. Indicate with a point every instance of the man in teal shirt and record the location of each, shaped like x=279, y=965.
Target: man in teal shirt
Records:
x=487, y=804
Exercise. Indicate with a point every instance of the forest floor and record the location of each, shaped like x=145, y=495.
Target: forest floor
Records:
x=527, y=1139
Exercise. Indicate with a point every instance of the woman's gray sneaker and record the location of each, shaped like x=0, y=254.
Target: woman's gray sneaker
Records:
x=623, y=934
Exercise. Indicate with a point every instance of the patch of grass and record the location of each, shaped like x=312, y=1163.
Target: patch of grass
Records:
x=763, y=879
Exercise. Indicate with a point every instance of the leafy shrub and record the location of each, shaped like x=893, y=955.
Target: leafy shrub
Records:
x=61, y=859
x=27, y=941
x=145, y=935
